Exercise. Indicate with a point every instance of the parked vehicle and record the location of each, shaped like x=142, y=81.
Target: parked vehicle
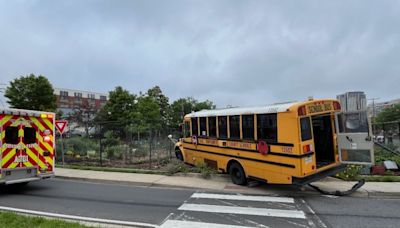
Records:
x=27, y=143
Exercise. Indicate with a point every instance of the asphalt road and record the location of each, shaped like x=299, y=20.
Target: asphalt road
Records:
x=356, y=212
x=192, y=208
x=106, y=201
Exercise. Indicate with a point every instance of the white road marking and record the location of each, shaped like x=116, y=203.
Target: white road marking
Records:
x=79, y=218
x=320, y=223
x=244, y=198
x=243, y=210
x=186, y=224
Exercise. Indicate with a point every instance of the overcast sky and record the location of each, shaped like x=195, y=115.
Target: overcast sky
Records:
x=231, y=52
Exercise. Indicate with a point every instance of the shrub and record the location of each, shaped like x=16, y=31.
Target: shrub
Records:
x=176, y=166
x=382, y=155
x=77, y=145
x=110, y=139
x=204, y=170
x=115, y=151
x=350, y=173
x=142, y=150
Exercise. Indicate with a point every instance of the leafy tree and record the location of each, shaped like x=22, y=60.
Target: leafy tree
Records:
x=84, y=115
x=162, y=102
x=120, y=107
x=183, y=106
x=389, y=114
x=119, y=111
x=31, y=92
x=148, y=114
x=203, y=105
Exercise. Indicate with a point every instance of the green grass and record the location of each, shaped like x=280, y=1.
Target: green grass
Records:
x=8, y=219
x=380, y=178
x=112, y=169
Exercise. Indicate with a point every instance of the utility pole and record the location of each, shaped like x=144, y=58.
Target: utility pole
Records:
x=373, y=113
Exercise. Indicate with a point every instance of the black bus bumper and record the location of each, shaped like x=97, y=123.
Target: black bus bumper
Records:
x=318, y=176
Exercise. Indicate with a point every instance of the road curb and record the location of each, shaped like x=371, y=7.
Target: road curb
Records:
x=361, y=193
x=142, y=184
x=131, y=183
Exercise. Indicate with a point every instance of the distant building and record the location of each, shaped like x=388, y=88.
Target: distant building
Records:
x=353, y=101
x=70, y=101
x=379, y=107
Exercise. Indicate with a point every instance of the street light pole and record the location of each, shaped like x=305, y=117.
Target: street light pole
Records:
x=373, y=113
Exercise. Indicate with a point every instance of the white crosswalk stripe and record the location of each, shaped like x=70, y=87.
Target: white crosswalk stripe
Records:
x=186, y=224
x=243, y=211
x=244, y=198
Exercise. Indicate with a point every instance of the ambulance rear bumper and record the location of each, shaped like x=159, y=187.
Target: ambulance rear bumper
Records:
x=22, y=175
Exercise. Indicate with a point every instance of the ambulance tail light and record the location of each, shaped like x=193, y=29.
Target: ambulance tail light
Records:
x=47, y=138
x=48, y=116
x=302, y=111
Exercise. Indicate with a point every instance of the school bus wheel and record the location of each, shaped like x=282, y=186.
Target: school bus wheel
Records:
x=237, y=174
x=178, y=154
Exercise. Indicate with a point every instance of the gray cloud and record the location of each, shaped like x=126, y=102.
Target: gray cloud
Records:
x=231, y=52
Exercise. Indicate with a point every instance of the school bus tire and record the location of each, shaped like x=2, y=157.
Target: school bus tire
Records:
x=237, y=173
x=178, y=154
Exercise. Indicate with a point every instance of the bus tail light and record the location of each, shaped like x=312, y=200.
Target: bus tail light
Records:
x=307, y=148
x=302, y=110
x=336, y=105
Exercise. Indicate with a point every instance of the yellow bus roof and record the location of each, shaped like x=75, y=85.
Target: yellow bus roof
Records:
x=274, y=108
x=243, y=110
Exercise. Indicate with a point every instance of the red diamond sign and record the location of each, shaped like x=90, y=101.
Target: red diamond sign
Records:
x=60, y=125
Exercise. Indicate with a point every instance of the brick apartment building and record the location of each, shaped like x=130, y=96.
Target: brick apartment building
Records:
x=70, y=101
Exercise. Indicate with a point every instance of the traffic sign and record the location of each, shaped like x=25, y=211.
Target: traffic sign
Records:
x=60, y=125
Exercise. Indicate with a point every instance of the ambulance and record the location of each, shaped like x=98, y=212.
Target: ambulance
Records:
x=27, y=143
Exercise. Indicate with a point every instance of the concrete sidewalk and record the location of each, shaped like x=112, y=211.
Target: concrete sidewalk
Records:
x=223, y=183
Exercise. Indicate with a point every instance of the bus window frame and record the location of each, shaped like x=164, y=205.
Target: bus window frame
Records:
x=275, y=129
x=252, y=138
x=238, y=137
x=192, y=120
x=186, y=129
x=226, y=127
x=215, y=127
x=201, y=127
x=309, y=126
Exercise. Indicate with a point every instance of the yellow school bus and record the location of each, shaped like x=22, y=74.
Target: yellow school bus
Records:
x=288, y=143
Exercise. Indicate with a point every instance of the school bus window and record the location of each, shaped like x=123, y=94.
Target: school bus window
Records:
x=305, y=128
x=234, y=127
x=222, y=127
x=267, y=127
x=186, y=129
x=29, y=135
x=212, y=126
x=203, y=124
x=194, y=126
x=248, y=127
x=11, y=135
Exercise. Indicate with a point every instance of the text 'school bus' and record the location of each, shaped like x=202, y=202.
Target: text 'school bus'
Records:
x=290, y=143
x=27, y=145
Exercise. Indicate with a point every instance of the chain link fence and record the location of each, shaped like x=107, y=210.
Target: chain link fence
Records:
x=116, y=144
